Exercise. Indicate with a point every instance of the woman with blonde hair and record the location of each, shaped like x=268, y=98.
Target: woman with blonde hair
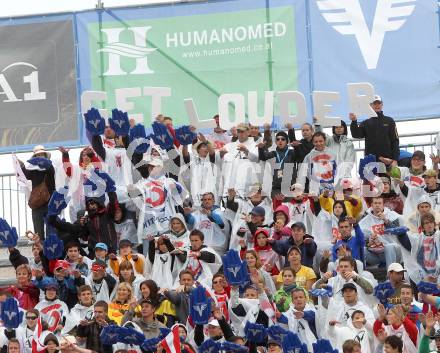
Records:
x=128, y=274
x=24, y=290
x=121, y=302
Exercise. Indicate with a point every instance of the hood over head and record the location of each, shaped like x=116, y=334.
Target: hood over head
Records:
x=283, y=209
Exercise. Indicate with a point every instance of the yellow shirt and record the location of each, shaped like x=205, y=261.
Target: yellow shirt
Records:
x=352, y=211
x=302, y=276
x=116, y=311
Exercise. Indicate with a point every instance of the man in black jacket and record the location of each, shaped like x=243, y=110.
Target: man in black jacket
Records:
x=305, y=145
x=380, y=133
x=280, y=156
x=97, y=227
x=89, y=331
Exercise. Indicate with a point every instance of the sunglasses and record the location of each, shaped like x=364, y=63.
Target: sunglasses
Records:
x=239, y=131
x=31, y=317
x=216, y=282
x=281, y=139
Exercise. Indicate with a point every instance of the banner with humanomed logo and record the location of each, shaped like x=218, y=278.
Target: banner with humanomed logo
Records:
x=199, y=51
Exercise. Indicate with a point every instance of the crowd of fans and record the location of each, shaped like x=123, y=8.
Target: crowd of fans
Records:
x=242, y=241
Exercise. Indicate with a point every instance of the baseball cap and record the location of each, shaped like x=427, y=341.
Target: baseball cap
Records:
x=396, y=267
x=51, y=285
x=98, y=265
x=298, y=225
x=214, y=322
x=243, y=127
x=125, y=242
x=258, y=211
x=348, y=286
x=101, y=246
x=61, y=264
x=297, y=189
x=376, y=98
x=419, y=155
x=430, y=173
x=273, y=341
x=294, y=247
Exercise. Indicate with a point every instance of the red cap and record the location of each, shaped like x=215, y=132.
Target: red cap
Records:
x=61, y=264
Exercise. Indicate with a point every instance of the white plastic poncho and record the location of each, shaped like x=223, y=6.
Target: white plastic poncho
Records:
x=204, y=271
x=240, y=171
x=301, y=326
x=160, y=196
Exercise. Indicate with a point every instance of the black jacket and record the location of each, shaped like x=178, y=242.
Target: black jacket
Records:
x=37, y=177
x=91, y=333
x=303, y=150
x=280, y=157
x=380, y=133
x=99, y=228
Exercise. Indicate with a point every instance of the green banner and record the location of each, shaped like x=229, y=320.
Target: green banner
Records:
x=199, y=57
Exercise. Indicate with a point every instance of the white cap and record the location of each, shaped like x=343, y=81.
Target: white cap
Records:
x=214, y=322
x=40, y=149
x=396, y=267
x=376, y=98
x=156, y=162
x=297, y=189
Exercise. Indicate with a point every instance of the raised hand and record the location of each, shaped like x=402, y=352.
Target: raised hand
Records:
x=234, y=269
x=95, y=123
x=382, y=311
x=185, y=135
x=430, y=321
x=138, y=137
x=277, y=333
x=292, y=344
x=53, y=247
x=119, y=122
x=323, y=346
x=255, y=333
x=8, y=235
x=434, y=158
x=58, y=202
x=63, y=150
x=161, y=136
x=10, y=314
x=200, y=306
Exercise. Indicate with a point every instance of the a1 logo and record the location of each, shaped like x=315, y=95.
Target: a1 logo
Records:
x=32, y=79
